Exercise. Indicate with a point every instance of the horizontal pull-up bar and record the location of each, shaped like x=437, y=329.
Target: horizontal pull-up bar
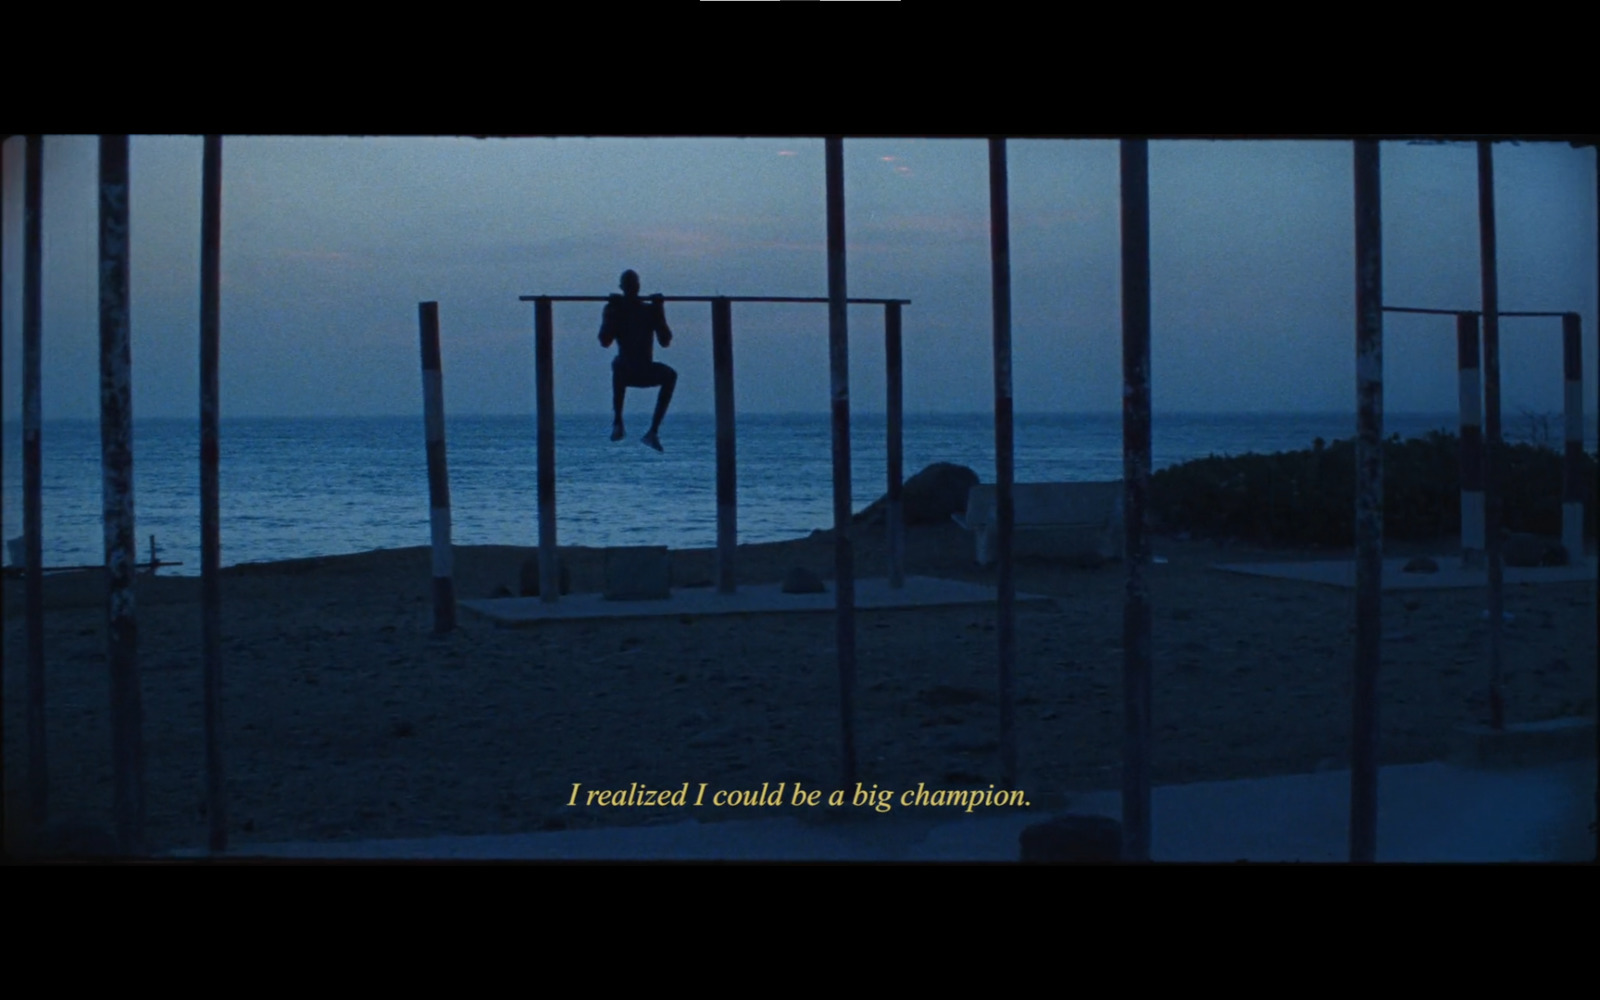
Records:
x=1462, y=312
x=710, y=298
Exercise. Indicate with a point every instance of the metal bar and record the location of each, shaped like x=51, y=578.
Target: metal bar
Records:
x=88, y=566
x=844, y=584
x=1006, y=589
x=1457, y=312
x=1369, y=503
x=116, y=459
x=1572, y=492
x=444, y=591
x=715, y=298
x=1471, y=410
x=896, y=525
x=544, y=388
x=211, y=487
x=1431, y=312
x=727, y=467
x=1136, y=661
x=1494, y=498
x=33, y=474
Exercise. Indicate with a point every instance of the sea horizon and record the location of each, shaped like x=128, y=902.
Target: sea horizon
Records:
x=303, y=486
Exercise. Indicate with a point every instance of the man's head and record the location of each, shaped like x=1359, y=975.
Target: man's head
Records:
x=630, y=282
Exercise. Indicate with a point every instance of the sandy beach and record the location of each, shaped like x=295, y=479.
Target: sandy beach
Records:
x=347, y=719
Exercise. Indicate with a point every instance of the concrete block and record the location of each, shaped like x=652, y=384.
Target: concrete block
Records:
x=1075, y=522
x=638, y=573
x=1524, y=744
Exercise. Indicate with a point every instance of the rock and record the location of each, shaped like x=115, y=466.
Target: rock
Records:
x=802, y=581
x=1420, y=564
x=530, y=576
x=929, y=497
x=932, y=495
x=1073, y=838
x=1532, y=550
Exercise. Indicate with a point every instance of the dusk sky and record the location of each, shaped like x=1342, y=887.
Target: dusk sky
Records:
x=328, y=245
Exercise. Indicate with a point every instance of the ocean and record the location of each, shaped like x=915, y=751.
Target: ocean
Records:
x=327, y=486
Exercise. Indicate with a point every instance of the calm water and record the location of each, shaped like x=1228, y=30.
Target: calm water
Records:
x=337, y=485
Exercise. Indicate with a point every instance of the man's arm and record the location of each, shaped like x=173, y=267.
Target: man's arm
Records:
x=663, y=332
x=608, y=335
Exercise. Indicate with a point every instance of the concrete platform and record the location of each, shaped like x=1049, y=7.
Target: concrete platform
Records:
x=1427, y=813
x=1451, y=574
x=751, y=599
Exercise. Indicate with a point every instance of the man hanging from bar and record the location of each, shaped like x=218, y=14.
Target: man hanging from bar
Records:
x=635, y=324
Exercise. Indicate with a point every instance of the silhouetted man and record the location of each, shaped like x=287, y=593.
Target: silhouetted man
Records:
x=634, y=324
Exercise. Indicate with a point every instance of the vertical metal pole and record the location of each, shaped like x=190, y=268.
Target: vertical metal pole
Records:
x=1471, y=407
x=896, y=508
x=1136, y=665
x=839, y=368
x=544, y=388
x=1494, y=495
x=444, y=591
x=116, y=459
x=1005, y=611
x=1369, y=502
x=210, y=485
x=1572, y=494
x=727, y=467
x=33, y=475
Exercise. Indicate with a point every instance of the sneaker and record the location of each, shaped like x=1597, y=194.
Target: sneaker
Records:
x=617, y=433
x=653, y=441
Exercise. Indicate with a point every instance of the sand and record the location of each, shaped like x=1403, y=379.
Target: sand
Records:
x=347, y=719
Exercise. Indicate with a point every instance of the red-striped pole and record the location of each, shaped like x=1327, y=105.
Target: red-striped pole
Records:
x=1493, y=456
x=1471, y=407
x=210, y=485
x=33, y=475
x=844, y=583
x=1005, y=576
x=444, y=591
x=1369, y=503
x=895, y=505
x=727, y=461
x=116, y=461
x=1137, y=680
x=545, y=403
x=1572, y=494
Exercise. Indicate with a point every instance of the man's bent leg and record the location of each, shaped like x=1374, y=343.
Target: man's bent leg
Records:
x=619, y=389
x=669, y=381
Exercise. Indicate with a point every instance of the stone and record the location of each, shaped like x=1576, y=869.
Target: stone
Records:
x=1531, y=550
x=529, y=583
x=802, y=581
x=1073, y=838
x=1420, y=564
x=935, y=493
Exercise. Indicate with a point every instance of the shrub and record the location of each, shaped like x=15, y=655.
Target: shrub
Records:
x=1307, y=497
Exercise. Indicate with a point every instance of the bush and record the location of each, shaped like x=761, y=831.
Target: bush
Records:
x=1308, y=497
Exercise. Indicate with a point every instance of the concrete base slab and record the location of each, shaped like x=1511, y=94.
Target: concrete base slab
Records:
x=752, y=599
x=1451, y=574
x=1524, y=744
